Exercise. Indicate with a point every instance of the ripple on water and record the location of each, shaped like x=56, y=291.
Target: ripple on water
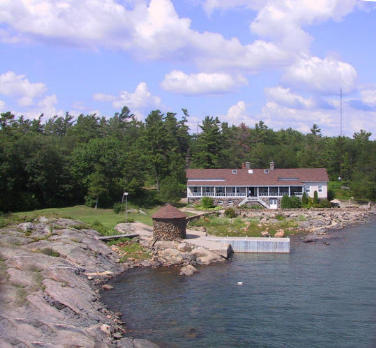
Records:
x=318, y=296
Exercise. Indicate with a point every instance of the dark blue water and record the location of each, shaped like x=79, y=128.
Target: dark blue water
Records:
x=318, y=296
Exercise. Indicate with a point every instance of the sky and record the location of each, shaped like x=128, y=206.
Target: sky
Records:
x=280, y=61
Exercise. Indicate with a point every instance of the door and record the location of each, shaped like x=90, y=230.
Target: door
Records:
x=273, y=203
x=251, y=191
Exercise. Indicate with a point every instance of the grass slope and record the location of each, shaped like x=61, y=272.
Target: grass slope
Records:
x=244, y=227
x=106, y=217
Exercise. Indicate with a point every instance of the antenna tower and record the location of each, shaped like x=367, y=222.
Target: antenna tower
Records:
x=340, y=113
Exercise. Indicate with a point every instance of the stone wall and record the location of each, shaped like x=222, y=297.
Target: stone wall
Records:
x=169, y=229
x=224, y=202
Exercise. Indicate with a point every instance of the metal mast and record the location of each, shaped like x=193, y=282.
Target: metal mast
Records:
x=340, y=113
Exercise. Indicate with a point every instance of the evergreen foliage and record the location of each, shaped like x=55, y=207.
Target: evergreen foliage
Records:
x=290, y=202
x=62, y=160
x=305, y=199
x=315, y=198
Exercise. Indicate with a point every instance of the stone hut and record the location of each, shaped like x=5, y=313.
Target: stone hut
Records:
x=169, y=223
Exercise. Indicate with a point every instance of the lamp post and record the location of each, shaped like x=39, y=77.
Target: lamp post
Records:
x=126, y=205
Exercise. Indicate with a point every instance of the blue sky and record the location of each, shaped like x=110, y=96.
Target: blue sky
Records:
x=280, y=61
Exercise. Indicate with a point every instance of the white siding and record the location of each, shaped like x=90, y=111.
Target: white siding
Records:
x=315, y=186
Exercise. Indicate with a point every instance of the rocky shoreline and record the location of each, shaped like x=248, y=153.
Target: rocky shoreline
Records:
x=316, y=224
x=52, y=273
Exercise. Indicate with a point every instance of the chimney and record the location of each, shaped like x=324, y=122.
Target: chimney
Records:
x=243, y=165
x=272, y=165
x=248, y=165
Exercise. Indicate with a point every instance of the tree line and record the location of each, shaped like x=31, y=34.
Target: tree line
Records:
x=63, y=160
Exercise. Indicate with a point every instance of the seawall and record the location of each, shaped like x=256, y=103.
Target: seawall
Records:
x=255, y=244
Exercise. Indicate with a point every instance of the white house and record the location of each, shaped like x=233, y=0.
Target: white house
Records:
x=261, y=186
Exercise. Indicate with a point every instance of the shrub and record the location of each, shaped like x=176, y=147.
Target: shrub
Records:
x=90, y=202
x=126, y=220
x=331, y=194
x=103, y=230
x=295, y=202
x=230, y=213
x=290, y=202
x=285, y=202
x=316, y=201
x=305, y=200
x=324, y=203
x=207, y=202
x=256, y=207
x=118, y=207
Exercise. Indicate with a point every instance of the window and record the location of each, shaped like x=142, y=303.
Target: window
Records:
x=266, y=171
x=234, y=171
x=320, y=188
x=307, y=189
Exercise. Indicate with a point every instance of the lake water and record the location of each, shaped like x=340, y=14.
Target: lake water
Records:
x=317, y=296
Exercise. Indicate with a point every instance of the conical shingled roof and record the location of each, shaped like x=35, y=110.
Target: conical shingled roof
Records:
x=169, y=212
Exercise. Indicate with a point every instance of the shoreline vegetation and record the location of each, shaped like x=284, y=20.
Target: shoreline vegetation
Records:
x=65, y=161
x=53, y=269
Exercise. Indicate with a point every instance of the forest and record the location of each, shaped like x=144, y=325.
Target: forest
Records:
x=65, y=160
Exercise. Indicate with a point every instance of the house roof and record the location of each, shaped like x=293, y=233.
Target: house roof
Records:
x=169, y=212
x=258, y=177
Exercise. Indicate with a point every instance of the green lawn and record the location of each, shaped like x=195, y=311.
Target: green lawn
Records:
x=243, y=227
x=106, y=217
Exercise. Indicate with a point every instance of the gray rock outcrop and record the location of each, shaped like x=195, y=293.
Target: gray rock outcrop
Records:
x=50, y=274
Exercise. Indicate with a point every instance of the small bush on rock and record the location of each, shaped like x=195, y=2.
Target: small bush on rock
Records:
x=207, y=202
x=230, y=213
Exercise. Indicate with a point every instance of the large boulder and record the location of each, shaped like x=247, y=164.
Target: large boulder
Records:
x=204, y=256
x=188, y=270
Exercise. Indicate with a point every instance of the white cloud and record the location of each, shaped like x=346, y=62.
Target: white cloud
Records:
x=368, y=96
x=20, y=87
x=281, y=115
x=202, y=83
x=211, y=5
x=46, y=106
x=149, y=30
x=321, y=75
x=283, y=20
x=141, y=98
x=238, y=114
x=285, y=97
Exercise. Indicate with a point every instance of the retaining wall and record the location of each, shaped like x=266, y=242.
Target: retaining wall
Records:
x=256, y=244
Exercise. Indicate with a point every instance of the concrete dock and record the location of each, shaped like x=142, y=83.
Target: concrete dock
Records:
x=224, y=245
x=254, y=244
